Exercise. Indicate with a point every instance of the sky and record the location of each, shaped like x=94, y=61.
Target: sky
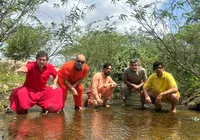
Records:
x=46, y=13
x=103, y=8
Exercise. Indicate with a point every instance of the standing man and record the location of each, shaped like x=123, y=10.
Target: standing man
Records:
x=101, y=87
x=160, y=87
x=70, y=77
x=34, y=91
x=134, y=78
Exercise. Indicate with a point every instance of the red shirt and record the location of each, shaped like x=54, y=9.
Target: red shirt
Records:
x=69, y=72
x=35, y=79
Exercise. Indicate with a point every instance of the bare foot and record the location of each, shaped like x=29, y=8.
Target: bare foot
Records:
x=78, y=107
x=107, y=106
x=124, y=104
x=173, y=109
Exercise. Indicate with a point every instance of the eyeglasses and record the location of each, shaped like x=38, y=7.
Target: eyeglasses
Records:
x=160, y=67
x=79, y=61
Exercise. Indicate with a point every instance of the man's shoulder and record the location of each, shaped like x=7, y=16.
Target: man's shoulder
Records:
x=69, y=64
x=141, y=69
x=153, y=75
x=167, y=74
x=98, y=74
x=86, y=67
x=127, y=70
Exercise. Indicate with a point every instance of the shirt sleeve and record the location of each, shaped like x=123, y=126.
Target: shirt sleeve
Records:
x=94, y=85
x=148, y=83
x=85, y=71
x=144, y=75
x=111, y=81
x=171, y=81
x=30, y=65
x=66, y=71
x=124, y=76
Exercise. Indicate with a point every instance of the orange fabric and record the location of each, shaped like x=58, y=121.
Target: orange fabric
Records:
x=98, y=82
x=69, y=73
x=100, y=86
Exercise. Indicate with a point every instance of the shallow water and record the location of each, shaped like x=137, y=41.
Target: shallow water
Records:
x=114, y=123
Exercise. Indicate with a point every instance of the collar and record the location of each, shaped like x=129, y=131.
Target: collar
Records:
x=36, y=65
x=164, y=74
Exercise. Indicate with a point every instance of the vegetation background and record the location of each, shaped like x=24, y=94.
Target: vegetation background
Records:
x=169, y=33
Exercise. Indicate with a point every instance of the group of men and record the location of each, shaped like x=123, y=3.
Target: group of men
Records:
x=160, y=86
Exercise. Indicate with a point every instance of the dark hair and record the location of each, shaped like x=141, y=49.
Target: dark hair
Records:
x=42, y=54
x=134, y=61
x=106, y=65
x=156, y=64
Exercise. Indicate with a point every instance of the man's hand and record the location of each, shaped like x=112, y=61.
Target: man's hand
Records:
x=74, y=92
x=100, y=101
x=136, y=87
x=159, y=97
x=148, y=99
x=53, y=86
x=113, y=85
x=22, y=69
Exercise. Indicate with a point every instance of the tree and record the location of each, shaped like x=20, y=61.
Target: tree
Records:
x=14, y=13
x=100, y=47
x=26, y=42
x=173, y=25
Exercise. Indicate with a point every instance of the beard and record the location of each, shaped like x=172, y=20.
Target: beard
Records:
x=107, y=73
x=78, y=67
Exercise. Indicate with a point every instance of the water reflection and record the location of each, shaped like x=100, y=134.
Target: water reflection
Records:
x=100, y=125
x=115, y=123
x=45, y=127
x=74, y=129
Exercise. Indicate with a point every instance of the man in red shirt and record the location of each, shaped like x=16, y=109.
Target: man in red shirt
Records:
x=70, y=76
x=34, y=91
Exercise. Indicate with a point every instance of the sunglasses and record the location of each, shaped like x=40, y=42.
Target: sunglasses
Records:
x=79, y=61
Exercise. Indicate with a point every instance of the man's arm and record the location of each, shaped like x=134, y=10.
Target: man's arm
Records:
x=125, y=79
x=22, y=69
x=77, y=82
x=169, y=91
x=146, y=95
x=71, y=88
x=173, y=87
x=55, y=80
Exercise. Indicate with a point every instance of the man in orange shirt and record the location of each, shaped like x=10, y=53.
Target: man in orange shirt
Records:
x=70, y=76
x=101, y=87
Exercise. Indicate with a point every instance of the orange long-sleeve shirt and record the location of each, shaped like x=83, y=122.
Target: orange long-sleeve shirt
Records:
x=98, y=81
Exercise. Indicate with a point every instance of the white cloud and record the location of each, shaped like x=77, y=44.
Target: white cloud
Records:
x=47, y=13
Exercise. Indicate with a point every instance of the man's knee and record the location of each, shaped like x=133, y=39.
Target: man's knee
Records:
x=173, y=98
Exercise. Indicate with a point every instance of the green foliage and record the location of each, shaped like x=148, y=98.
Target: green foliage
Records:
x=8, y=80
x=8, y=76
x=100, y=47
x=25, y=42
x=13, y=13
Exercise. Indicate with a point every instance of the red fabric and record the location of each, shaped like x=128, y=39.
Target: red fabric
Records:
x=49, y=127
x=23, y=98
x=34, y=91
x=68, y=72
x=35, y=79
